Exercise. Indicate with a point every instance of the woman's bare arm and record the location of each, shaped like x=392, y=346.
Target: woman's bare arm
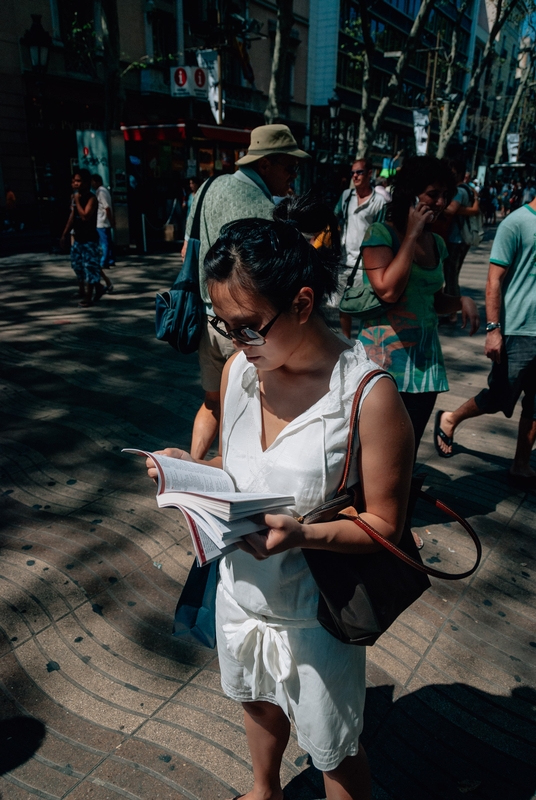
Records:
x=389, y=275
x=385, y=466
x=175, y=452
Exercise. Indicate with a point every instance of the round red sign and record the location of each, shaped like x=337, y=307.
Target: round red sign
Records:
x=180, y=77
x=200, y=77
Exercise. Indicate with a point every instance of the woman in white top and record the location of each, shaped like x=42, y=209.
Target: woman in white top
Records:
x=286, y=399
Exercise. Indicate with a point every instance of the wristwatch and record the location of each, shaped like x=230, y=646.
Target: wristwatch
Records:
x=491, y=326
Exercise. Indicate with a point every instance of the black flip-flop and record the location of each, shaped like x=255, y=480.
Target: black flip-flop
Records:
x=439, y=432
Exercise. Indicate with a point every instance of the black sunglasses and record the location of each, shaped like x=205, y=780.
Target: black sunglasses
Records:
x=358, y=171
x=243, y=335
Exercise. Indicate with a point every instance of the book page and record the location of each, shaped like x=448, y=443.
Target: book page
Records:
x=220, y=531
x=177, y=475
x=204, y=547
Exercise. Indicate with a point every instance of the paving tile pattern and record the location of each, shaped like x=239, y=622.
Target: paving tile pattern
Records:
x=98, y=700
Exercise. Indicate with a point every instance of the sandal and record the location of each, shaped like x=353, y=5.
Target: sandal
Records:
x=85, y=303
x=440, y=433
x=99, y=291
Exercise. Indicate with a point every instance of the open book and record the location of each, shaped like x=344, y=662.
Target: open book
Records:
x=216, y=514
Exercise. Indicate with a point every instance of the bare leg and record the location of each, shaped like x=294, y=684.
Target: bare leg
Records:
x=451, y=419
x=206, y=424
x=526, y=436
x=350, y=780
x=267, y=729
x=106, y=279
x=346, y=324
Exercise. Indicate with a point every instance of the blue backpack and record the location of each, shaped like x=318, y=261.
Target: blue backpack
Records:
x=180, y=312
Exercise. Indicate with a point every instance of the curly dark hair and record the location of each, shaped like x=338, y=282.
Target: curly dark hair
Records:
x=416, y=174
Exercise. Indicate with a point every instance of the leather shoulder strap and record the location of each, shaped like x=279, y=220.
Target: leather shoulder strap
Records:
x=418, y=565
x=354, y=415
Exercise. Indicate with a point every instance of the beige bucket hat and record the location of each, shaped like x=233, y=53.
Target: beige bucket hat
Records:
x=268, y=140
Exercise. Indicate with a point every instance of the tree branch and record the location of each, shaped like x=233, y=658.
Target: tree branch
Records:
x=501, y=17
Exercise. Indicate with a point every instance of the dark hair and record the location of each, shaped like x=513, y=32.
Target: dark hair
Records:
x=84, y=174
x=273, y=258
x=456, y=165
x=96, y=178
x=367, y=162
x=416, y=174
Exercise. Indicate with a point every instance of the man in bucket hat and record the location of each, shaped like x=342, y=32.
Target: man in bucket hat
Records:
x=265, y=172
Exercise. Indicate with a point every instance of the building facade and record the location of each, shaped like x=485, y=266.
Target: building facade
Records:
x=110, y=72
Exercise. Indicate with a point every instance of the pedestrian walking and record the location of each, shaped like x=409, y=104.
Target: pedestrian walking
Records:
x=287, y=398
x=510, y=344
x=85, y=250
x=403, y=262
x=464, y=204
x=105, y=224
x=357, y=208
x=267, y=170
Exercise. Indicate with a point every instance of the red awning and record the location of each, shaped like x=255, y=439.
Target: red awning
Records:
x=154, y=133
x=220, y=133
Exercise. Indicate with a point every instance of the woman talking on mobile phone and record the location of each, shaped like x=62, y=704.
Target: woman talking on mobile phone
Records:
x=403, y=261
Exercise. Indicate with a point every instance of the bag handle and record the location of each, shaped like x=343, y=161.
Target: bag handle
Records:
x=343, y=487
x=372, y=532
x=196, y=224
x=396, y=551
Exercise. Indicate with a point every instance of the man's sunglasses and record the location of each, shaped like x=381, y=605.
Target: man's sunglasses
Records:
x=358, y=171
x=243, y=335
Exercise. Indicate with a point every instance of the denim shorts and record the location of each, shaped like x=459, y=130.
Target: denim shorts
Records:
x=85, y=261
x=515, y=374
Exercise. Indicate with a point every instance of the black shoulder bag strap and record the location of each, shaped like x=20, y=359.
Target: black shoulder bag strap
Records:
x=395, y=245
x=196, y=224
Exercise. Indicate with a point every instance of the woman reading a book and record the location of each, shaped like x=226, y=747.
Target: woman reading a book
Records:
x=286, y=398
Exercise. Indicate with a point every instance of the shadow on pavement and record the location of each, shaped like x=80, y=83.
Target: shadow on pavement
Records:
x=20, y=738
x=442, y=742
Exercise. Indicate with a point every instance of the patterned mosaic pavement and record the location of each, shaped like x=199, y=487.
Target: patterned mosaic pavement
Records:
x=98, y=700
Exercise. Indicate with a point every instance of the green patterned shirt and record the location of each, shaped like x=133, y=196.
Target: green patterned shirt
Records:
x=230, y=197
x=404, y=338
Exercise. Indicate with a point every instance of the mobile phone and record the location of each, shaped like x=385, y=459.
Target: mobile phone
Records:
x=417, y=201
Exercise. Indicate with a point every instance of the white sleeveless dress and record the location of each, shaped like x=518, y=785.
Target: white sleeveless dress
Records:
x=270, y=644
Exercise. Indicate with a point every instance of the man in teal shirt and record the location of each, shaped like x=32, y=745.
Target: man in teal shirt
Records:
x=510, y=343
x=265, y=172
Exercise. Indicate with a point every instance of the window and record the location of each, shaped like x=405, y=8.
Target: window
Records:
x=164, y=35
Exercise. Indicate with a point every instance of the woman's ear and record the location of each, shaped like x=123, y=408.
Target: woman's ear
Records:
x=303, y=304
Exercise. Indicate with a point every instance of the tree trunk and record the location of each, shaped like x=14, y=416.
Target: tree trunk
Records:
x=502, y=16
x=368, y=130
x=449, y=86
x=509, y=117
x=285, y=19
x=114, y=95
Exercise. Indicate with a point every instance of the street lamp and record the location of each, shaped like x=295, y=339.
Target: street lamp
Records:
x=39, y=42
x=334, y=104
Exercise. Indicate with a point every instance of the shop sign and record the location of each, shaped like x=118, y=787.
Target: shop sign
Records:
x=189, y=82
